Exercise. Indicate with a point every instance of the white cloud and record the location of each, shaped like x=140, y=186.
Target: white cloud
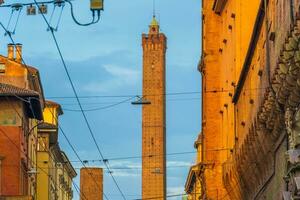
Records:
x=126, y=174
x=175, y=190
x=120, y=77
x=178, y=164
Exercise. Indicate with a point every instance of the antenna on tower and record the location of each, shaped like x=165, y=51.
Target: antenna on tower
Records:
x=154, y=9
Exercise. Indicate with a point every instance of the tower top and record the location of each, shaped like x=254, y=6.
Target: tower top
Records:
x=154, y=22
x=154, y=26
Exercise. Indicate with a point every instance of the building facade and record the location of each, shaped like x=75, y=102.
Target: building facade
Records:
x=55, y=172
x=32, y=166
x=250, y=89
x=21, y=102
x=193, y=185
x=154, y=114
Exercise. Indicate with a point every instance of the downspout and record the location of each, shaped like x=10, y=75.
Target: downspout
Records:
x=292, y=11
x=36, y=140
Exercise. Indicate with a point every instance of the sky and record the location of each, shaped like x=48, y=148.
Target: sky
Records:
x=105, y=59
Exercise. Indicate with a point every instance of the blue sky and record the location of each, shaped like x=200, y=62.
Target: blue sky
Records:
x=106, y=59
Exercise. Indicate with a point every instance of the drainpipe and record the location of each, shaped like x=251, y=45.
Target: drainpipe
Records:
x=36, y=141
x=292, y=11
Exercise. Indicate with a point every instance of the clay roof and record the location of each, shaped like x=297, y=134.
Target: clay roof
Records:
x=10, y=90
x=57, y=105
x=47, y=126
x=33, y=106
x=191, y=179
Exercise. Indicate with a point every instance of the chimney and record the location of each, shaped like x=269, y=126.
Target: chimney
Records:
x=10, y=51
x=19, y=52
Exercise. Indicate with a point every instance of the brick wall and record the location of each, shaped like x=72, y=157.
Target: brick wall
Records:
x=91, y=184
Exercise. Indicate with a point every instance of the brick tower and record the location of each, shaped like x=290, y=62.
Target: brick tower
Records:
x=91, y=184
x=154, y=115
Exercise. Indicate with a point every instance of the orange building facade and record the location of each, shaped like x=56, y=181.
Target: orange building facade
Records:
x=21, y=104
x=250, y=88
x=154, y=115
x=22, y=124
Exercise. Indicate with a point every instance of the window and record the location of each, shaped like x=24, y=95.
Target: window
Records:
x=2, y=68
x=219, y=6
x=42, y=143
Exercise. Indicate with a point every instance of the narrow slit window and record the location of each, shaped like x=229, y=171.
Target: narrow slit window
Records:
x=2, y=68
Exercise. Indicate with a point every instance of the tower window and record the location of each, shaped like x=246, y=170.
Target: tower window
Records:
x=153, y=29
x=2, y=68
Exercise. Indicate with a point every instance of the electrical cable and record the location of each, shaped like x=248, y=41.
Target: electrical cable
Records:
x=113, y=168
x=10, y=17
x=106, y=102
x=100, y=108
x=155, y=155
x=166, y=94
x=138, y=157
x=83, y=24
x=168, y=196
x=79, y=103
x=59, y=18
x=78, y=190
x=27, y=4
x=18, y=17
x=94, y=12
x=126, y=95
x=52, y=14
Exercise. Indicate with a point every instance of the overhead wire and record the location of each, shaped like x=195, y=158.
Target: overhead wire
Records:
x=27, y=4
x=107, y=102
x=59, y=17
x=125, y=95
x=154, y=155
x=139, y=157
x=168, y=196
x=84, y=24
x=100, y=108
x=166, y=94
x=113, y=168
